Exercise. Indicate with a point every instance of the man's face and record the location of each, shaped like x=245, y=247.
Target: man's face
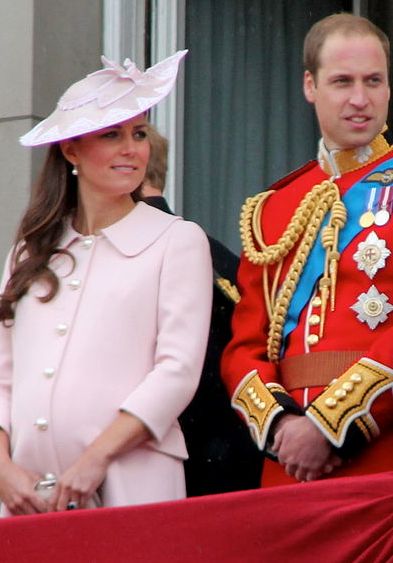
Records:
x=350, y=91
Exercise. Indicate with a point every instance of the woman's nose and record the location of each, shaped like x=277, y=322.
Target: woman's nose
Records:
x=128, y=145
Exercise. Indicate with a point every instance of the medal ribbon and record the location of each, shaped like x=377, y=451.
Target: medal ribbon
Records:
x=313, y=269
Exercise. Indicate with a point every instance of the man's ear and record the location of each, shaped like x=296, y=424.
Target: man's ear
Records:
x=309, y=86
x=67, y=147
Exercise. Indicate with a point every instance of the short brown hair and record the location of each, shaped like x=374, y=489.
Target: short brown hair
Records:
x=346, y=24
x=158, y=161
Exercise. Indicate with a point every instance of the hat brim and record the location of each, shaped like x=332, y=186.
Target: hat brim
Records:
x=153, y=86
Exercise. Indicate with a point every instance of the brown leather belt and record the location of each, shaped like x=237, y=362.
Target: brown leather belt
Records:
x=316, y=368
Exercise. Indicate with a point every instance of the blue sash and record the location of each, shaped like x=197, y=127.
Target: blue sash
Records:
x=354, y=202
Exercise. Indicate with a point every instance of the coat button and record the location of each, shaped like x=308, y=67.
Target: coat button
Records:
x=41, y=423
x=49, y=372
x=75, y=284
x=61, y=329
x=87, y=242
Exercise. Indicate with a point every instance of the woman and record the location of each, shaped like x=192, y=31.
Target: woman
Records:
x=105, y=309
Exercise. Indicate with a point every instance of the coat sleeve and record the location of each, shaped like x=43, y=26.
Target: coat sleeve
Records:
x=5, y=361
x=251, y=379
x=184, y=310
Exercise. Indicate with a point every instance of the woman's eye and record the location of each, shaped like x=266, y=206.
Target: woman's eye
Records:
x=141, y=134
x=109, y=135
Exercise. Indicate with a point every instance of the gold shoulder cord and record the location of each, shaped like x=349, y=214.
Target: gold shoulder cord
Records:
x=304, y=226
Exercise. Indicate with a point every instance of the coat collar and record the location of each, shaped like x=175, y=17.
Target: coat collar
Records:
x=133, y=233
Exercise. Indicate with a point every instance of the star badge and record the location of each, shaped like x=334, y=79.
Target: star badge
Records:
x=372, y=307
x=371, y=255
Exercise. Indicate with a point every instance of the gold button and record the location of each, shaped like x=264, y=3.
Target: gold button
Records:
x=316, y=302
x=340, y=394
x=331, y=403
x=356, y=377
x=253, y=396
x=333, y=381
x=348, y=386
x=257, y=401
x=250, y=390
x=312, y=339
x=261, y=406
x=314, y=320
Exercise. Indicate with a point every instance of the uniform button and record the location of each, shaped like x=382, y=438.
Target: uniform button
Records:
x=49, y=372
x=355, y=377
x=87, y=242
x=250, y=390
x=348, y=386
x=75, y=284
x=316, y=302
x=261, y=406
x=314, y=320
x=340, y=394
x=331, y=403
x=61, y=329
x=41, y=423
x=312, y=339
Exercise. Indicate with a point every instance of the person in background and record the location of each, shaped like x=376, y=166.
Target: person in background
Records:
x=222, y=455
x=105, y=310
x=310, y=365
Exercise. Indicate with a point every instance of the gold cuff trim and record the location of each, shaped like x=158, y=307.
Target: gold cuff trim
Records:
x=349, y=398
x=257, y=404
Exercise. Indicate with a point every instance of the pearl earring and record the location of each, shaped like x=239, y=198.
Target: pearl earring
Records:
x=74, y=171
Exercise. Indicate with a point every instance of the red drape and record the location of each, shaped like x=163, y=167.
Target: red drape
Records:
x=343, y=520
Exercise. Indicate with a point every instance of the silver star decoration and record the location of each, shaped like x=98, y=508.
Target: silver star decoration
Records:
x=372, y=307
x=371, y=255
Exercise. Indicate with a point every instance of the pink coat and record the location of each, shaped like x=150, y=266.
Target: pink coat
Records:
x=127, y=330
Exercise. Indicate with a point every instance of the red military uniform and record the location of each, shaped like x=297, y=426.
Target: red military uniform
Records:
x=338, y=371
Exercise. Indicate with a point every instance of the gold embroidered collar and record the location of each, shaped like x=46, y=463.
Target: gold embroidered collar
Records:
x=337, y=162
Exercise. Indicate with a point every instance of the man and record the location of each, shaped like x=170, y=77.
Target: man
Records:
x=310, y=363
x=222, y=456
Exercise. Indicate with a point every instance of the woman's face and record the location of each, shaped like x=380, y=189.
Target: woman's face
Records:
x=111, y=161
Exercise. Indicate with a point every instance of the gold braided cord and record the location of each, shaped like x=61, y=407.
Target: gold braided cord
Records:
x=305, y=224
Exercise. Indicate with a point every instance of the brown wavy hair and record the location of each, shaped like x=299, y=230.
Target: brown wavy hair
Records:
x=53, y=199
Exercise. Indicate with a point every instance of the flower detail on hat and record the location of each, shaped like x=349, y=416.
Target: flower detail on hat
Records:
x=126, y=78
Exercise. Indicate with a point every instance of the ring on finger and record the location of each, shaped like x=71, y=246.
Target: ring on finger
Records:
x=72, y=505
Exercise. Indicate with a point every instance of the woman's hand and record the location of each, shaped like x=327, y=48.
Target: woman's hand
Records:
x=17, y=490
x=80, y=482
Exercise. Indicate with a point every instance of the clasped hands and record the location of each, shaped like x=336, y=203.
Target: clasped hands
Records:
x=302, y=449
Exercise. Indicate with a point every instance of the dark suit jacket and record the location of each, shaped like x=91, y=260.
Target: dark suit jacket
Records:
x=223, y=456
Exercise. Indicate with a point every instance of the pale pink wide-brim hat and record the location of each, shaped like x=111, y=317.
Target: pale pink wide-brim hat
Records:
x=104, y=98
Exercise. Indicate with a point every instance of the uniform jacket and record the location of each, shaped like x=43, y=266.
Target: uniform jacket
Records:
x=354, y=406
x=127, y=330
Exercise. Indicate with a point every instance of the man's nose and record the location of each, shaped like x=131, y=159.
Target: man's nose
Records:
x=359, y=95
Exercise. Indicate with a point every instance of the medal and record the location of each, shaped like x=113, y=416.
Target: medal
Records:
x=372, y=307
x=367, y=218
x=382, y=216
x=371, y=255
